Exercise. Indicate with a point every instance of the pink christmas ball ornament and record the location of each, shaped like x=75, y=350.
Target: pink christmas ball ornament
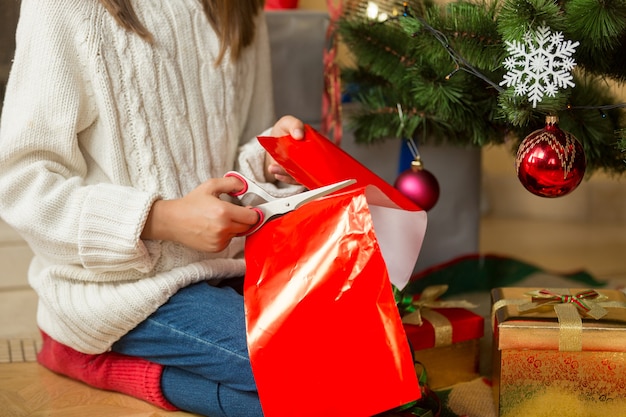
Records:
x=419, y=185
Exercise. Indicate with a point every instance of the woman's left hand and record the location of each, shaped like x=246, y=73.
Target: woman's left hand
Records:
x=287, y=125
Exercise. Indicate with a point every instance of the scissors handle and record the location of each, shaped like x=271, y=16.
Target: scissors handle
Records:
x=241, y=193
x=257, y=225
x=240, y=178
x=249, y=187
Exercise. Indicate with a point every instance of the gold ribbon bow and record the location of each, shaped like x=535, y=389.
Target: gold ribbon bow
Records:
x=569, y=309
x=421, y=310
x=586, y=302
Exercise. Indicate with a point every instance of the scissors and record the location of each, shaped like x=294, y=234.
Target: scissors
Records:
x=274, y=206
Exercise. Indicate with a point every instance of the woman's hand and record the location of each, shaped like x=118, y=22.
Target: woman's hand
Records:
x=200, y=220
x=287, y=125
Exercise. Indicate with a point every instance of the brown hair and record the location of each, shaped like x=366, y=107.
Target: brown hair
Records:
x=233, y=20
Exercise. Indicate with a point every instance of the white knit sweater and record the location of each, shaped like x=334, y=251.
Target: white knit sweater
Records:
x=96, y=125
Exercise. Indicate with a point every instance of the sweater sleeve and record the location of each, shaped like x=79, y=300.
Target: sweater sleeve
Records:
x=45, y=193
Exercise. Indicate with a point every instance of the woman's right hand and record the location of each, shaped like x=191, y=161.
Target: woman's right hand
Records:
x=200, y=220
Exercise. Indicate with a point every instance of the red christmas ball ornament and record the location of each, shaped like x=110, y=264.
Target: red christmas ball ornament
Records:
x=550, y=162
x=419, y=185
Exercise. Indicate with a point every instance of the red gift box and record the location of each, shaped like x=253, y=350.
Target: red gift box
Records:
x=446, y=343
x=466, y=325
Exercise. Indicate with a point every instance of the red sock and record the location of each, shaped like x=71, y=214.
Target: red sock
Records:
x=108, y=371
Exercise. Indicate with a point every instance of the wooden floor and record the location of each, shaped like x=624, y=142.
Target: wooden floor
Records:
x=29, y=390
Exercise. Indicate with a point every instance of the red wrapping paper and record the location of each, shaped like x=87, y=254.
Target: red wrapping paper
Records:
x=466, y=325
x=315, y=161
x=324, y=332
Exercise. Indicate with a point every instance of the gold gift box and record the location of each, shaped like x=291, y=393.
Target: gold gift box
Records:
x=545, y=365
x=444, y=336
x=449, y=365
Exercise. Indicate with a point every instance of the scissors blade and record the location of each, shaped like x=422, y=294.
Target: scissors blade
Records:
x=305, y=197
x=284, y=205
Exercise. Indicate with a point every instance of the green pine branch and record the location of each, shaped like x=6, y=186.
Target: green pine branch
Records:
x=434, y=73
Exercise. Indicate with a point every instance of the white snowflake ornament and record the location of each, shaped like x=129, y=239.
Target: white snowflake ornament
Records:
x=540, y=65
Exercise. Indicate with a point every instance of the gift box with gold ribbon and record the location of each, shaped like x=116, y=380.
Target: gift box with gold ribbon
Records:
x=559, y=351
x=444, y=335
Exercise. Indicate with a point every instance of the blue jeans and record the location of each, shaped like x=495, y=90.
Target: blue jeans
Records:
x=199, y=336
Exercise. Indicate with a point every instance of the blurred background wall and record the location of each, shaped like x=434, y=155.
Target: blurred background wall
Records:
x=9, y=10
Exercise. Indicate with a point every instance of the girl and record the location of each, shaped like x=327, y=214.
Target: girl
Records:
x=120, y=119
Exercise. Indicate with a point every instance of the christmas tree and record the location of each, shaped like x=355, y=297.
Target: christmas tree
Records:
x=478, y=73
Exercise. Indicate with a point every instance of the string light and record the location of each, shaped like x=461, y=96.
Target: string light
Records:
x=462, y=64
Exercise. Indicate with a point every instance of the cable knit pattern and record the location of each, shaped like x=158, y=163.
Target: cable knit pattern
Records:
x=97, y=124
